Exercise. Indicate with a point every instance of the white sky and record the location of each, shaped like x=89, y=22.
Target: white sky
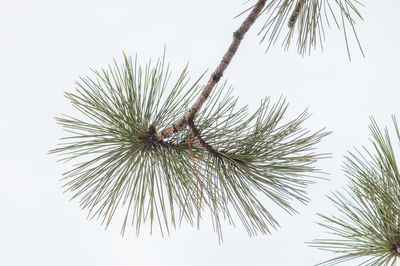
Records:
x=46, y=45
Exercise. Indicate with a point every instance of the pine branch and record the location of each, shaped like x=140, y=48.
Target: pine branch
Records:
x=138, y=155
x=369, y=224
x=306, y=21
x=240, y=157
x=217, y=74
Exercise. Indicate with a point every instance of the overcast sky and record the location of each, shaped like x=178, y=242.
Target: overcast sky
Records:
x=46, y=45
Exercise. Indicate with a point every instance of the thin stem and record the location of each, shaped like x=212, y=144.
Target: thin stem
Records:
x=217, y=74
x=200, y=140
x=295, y=13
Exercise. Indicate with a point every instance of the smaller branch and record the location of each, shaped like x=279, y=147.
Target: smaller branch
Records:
x=217, y=74
x=295, y=14
x=200, y=140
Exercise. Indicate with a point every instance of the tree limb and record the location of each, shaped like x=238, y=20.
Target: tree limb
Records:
x=217, y=74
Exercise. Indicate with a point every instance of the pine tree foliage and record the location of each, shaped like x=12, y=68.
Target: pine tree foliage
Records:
x=369, y=225
x=226, y=162
x=304, y=22
x=143, y=151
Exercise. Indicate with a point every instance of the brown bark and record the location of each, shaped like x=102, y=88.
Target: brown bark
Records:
x=200, y=140
x=217, y=74
x=295, y=14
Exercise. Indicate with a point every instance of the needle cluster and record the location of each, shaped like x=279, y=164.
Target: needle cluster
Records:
x=252, y=160
x=369, y=224
x=304, y=22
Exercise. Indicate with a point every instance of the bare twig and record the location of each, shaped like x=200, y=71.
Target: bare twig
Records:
x=217, y=74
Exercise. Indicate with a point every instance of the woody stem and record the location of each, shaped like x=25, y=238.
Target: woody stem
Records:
x=217, y=74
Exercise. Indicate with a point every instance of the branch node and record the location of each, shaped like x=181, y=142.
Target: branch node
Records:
x=216, y=77
x=395, y=250
x=152, y=130
x=237, y=35
x=150, y=139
